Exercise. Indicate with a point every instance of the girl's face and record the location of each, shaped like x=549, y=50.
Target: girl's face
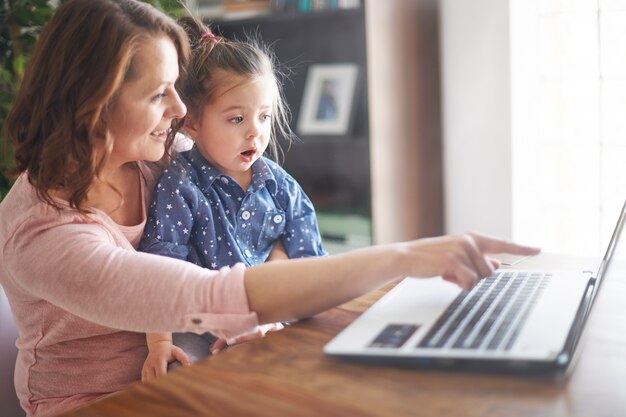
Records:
x=233, y=129
x=145, y=106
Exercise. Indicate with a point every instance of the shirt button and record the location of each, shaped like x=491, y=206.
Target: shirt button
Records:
x=196, y=321
x=247, y=253
x=278, y=218
x=245, y=215
x=224, y=180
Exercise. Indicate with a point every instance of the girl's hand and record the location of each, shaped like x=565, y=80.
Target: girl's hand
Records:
x=160, y=354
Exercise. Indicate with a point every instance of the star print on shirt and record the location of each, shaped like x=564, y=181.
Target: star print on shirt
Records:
x=202, y=222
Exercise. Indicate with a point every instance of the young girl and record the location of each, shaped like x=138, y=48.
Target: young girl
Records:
x=223, y=202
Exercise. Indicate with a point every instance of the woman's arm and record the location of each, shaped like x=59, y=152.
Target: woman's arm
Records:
x=77, y=267
x=322, y=283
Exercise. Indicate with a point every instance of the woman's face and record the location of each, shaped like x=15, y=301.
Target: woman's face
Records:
x=145, y=106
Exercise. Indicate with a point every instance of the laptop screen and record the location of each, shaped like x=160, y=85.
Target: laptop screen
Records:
x=592, y=290
x=610, y=250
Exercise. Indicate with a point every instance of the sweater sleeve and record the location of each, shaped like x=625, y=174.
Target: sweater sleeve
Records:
x=80, y=268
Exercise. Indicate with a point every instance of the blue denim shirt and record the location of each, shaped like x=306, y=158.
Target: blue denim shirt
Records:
x=203, y=216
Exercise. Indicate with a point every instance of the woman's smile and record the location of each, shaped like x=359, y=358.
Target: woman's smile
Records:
x=160, y=135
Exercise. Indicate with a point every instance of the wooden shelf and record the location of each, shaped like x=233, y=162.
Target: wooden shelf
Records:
x=278, y=17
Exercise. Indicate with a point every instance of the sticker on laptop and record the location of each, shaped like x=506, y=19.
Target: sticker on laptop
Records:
x=394, y=336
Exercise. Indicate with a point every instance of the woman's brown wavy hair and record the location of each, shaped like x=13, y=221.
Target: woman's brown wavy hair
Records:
x=83, y=55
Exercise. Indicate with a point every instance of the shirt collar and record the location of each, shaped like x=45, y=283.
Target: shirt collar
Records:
x=262, y=175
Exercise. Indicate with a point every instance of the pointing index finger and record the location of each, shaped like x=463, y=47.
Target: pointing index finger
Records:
x=495, y=246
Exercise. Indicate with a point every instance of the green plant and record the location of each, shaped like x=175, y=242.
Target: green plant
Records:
x=20, y=24
x=172, y=8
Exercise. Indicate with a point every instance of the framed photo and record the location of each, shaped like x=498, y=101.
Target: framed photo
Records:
x=327, y=101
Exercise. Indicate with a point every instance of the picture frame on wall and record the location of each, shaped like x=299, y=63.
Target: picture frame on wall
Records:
x=328, y=99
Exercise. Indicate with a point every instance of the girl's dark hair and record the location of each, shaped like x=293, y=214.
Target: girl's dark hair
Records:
x=212, y=56
x=83, y=55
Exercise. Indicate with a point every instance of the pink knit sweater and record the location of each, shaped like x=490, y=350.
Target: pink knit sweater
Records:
x=82, y=298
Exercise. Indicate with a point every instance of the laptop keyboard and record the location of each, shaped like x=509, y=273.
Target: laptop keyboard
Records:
x=490, y=315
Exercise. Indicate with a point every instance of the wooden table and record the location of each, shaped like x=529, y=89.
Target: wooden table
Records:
x=287, y=374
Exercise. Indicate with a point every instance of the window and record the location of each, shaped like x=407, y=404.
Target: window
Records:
x=568, y=122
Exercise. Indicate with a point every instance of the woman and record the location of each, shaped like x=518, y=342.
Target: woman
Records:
x=97, y=100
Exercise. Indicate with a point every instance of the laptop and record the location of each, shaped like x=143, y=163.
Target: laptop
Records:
x=515, y=321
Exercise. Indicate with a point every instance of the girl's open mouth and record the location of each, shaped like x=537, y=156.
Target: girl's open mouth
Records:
x=248, y=153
